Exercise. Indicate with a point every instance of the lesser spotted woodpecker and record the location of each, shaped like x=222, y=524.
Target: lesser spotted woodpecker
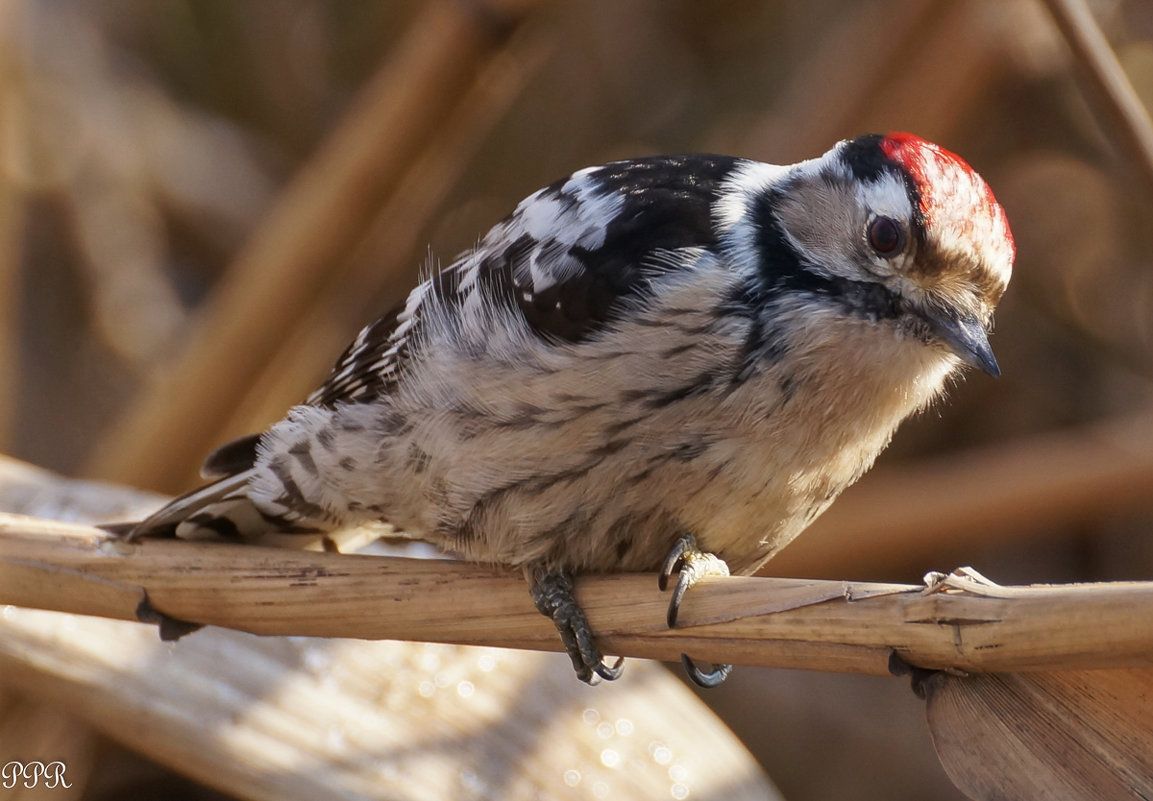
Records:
x=670, y=362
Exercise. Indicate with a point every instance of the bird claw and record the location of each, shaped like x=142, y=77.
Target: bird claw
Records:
x=552, y=592
x=691, y=565
x=702, y=678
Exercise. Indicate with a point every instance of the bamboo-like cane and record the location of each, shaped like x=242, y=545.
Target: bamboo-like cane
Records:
x=964, y=625
x=320, y=216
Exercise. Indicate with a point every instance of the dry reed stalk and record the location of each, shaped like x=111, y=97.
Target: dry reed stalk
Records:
x=815, y=625
x=295, y=719
x=319, y=217
x=390, y=271
x=1108, y=84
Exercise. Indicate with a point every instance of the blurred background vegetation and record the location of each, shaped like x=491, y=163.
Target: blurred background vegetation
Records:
x=202, y=201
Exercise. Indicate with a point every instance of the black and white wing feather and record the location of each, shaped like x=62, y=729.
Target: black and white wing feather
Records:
x=568, y=258
x=369, y=366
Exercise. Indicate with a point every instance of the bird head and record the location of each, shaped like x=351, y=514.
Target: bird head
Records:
x=889, y=226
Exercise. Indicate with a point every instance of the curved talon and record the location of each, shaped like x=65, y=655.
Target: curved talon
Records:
x=693, y=564
x=708, y=680
x=674, y=562
x=610, y=673
x=683, y=585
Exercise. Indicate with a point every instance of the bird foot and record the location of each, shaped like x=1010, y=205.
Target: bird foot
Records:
x=691, y=565
x=552, y=592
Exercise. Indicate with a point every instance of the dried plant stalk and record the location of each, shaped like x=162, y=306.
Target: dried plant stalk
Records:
x=817, y=625
x=1109, y=86
x=320, y=216
x=296, y=719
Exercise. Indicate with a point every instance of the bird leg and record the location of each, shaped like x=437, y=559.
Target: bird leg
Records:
x=693, y=564
x=552, y=592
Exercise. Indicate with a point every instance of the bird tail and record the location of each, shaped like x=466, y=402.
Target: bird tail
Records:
x=220, y=510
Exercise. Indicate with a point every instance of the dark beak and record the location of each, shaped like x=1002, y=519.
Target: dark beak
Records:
x=966, y=337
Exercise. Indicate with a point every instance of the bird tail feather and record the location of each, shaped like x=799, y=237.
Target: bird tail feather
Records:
x=220, y=510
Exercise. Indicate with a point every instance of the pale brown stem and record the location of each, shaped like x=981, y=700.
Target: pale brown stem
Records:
x=321, y=215
x=816, y=625
x=1109, y=86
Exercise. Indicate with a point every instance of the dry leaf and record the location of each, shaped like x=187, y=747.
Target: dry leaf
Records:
x=1062, y=735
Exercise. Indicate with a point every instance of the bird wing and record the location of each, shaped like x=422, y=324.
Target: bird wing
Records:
x=568, y=259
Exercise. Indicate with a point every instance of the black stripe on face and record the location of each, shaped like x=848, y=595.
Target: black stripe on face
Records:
x=783, y=270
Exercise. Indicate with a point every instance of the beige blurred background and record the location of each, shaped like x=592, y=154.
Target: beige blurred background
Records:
x=202, y=201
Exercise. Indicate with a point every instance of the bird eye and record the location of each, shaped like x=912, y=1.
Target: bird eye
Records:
x=885, y=236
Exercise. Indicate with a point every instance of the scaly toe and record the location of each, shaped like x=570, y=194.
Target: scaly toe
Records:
x=553, y=594
x=693, y=564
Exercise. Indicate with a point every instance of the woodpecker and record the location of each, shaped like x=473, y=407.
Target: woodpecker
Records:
x=668, y=363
